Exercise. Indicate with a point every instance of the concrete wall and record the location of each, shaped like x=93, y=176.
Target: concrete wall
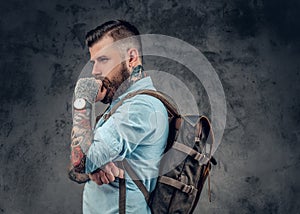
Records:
x=253, y=45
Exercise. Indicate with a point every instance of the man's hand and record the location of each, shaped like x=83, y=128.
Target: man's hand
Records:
x=90, y=89
x=102, y=91
x=107, y=174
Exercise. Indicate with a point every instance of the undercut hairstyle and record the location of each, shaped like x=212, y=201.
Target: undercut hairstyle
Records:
x=117, y=30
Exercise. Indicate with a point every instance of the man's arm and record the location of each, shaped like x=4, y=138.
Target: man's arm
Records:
x=85, y=95
x=82, y=136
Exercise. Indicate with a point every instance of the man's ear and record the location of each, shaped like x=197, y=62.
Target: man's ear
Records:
x=133, y=58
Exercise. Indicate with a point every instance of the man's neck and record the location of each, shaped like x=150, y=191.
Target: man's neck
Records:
x=137, y=74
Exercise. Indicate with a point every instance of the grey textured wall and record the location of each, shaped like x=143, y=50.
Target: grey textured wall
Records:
x=253, y=45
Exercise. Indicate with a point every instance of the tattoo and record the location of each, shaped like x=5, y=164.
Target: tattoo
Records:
x=77, y=177
x=81, y=138
x=87, y=88
x=137, y=74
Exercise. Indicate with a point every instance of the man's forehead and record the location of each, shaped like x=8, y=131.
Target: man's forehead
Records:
x=102, y=46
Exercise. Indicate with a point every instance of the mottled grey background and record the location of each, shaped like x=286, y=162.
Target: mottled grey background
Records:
x=253, y=45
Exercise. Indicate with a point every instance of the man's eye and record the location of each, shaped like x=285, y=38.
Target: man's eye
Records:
x=103, y=60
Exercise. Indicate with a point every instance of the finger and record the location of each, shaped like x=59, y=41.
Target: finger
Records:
x=109, y=171
x=115, y=170
x=103, y=177
x=99, y=82
x=108, y=167
x=91, y=177
x=110, y=177
x=121, y=173
x=98, y=181
x=101, y=92
x=95, y=177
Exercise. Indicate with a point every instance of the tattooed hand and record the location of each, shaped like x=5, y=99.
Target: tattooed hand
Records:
x=90, y=89
x=87, y=88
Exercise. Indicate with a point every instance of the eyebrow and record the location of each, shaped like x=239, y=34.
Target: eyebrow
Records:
x=99, y=57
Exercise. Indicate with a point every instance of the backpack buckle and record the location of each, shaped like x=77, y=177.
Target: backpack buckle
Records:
x=188, y=189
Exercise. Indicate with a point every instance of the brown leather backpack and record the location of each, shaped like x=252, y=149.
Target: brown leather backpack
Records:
x=184, y=167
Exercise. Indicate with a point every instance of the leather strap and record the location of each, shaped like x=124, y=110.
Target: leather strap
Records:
x=171, y=107
x=136, y=180
x=210, y=141
x=122, y=190
x=122, y=196
x=178, y=185
x=201, y=158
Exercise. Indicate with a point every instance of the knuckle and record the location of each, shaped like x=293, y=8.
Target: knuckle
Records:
x=107, y=167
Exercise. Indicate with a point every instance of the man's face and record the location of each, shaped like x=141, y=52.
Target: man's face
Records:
x=106, y=59
x=108, y=66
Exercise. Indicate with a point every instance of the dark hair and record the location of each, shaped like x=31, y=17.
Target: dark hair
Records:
x=117, y=29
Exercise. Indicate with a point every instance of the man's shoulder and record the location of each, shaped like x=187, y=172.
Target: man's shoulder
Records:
x=145, y=100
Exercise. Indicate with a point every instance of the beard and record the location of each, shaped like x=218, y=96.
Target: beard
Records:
x=118, y=81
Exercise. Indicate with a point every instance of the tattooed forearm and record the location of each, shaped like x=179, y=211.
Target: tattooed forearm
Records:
x=81, y=138
x=82, y=133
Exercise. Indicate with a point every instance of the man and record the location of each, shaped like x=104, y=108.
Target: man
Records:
x=137, y=131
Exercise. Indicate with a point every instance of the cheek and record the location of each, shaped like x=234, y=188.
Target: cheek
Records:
x=110, y=67
x=113, y=69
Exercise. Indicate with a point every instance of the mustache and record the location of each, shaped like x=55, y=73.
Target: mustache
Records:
x=99, y=77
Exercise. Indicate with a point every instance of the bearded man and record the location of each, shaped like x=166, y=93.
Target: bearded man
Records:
x=137, y=131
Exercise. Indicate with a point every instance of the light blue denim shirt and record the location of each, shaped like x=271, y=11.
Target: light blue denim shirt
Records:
x=137, y=131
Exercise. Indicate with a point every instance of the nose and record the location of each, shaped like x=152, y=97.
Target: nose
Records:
x=96, y=72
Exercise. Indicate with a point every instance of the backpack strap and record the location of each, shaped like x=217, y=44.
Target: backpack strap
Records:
x=189, y=189
x=122, y=187
x=201, y=158
x=136, y=180
x=122, y=196
x=171, y=107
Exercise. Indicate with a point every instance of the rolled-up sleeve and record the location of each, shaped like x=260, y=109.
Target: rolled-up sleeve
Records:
x=133, y=124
